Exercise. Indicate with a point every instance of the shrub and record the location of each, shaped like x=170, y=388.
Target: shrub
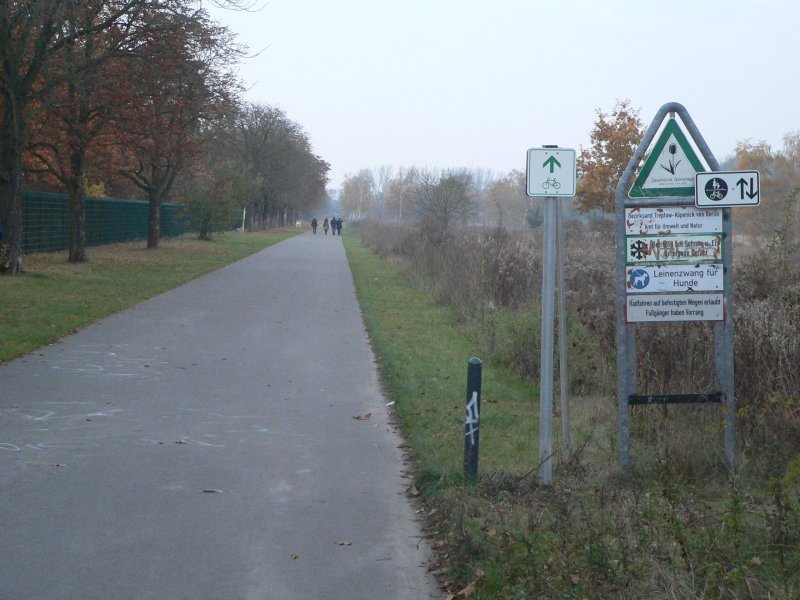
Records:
x=492, y=276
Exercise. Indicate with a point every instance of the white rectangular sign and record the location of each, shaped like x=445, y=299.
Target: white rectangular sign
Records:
x=666, y=220
x=551, y=172
x=673, y=248
x=674, y=278
x=674, y=307
x=727, y=188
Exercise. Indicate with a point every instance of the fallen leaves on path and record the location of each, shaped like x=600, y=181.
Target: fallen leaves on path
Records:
x=365, y=417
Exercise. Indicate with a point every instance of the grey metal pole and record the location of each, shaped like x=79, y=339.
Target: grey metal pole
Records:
x=472, y=426
x=562, y=335
x=547, y=345
x=623, y=346
x=725, y=361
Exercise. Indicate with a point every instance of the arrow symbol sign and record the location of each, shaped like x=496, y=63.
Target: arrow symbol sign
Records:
x=552, y=163
x=750, y=193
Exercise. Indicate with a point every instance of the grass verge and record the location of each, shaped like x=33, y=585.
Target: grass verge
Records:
x=54, y=297
x=423, y=357
x=665, y=532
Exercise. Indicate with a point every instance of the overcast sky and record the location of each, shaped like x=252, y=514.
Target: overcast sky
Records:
x=469, y=83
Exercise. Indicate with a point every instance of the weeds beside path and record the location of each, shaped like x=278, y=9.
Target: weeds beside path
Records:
x=53, y=297
x=669, y=531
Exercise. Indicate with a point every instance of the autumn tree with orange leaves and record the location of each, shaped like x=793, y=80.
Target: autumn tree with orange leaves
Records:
x=33, y=35
x=179, y=84
x=613, y=140
x=77, y=119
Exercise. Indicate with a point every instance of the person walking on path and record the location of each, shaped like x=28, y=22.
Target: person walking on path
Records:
x=325, y=225
x=314, y=225
x=339, y=226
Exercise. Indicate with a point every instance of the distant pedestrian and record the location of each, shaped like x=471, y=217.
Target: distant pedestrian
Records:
x=339, y=226
x=314, y=225
x=325, y=225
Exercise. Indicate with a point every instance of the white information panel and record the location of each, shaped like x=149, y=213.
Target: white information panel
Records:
x=642, y=308
x=674, y=278
x=674, y=248
x=665, y=220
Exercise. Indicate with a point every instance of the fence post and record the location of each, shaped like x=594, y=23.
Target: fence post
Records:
x=472, y=423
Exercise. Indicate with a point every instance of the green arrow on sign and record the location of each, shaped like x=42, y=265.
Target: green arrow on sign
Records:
x=552, y=162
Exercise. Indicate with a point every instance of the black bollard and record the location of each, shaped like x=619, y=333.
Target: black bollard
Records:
x=472, y=424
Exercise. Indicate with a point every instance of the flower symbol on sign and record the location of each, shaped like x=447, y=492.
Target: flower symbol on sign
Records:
x=673, y=164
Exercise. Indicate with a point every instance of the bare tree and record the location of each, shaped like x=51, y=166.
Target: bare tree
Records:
x=506, y=201
x=358, y=194
x=444, y=198
x=398, y=193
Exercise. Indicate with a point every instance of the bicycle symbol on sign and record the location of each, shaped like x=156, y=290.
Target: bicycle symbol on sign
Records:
x=551, y=182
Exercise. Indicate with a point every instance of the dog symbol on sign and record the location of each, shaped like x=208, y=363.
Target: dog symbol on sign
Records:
x=639, y=279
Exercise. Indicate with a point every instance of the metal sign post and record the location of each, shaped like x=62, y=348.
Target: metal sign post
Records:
x=562, y=336
x=547, y=345
x=666, y=245
x=551, y=174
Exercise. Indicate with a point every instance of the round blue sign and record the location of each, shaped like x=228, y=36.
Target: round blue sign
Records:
x=639, y=279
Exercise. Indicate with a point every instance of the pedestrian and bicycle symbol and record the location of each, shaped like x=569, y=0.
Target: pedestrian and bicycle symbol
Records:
x=727, y=188
x=716, y=189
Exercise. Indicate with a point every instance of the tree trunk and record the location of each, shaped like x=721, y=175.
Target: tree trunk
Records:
x=154, y=220
x=77, y=210
x=161, y=182
x=11, y=174
x=204, y=232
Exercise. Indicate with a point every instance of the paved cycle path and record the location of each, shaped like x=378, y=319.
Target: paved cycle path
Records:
x=203, y=445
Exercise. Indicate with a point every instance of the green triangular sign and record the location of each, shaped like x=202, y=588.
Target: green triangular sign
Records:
x=670, y=168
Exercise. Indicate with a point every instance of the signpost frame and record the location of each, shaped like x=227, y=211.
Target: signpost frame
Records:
x=626, y=332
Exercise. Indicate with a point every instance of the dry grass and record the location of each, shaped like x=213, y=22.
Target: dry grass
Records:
x=676, y=526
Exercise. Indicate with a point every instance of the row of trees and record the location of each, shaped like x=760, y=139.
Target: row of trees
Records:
x=139, y=98
x=437, y=198
x=482, y=197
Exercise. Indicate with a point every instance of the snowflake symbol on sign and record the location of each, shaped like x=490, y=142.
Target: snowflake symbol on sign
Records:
x=639, y=250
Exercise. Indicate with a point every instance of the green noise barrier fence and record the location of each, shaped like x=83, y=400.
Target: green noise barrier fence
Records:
x=45, y=221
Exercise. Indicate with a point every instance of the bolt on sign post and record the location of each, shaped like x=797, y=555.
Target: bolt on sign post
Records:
x=551, y=173
x=674, y=256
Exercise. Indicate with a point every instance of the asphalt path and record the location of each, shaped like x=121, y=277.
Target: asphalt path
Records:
x=203, y=445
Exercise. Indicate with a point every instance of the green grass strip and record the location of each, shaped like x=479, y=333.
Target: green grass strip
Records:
x=423, y=355
x=54, y=297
